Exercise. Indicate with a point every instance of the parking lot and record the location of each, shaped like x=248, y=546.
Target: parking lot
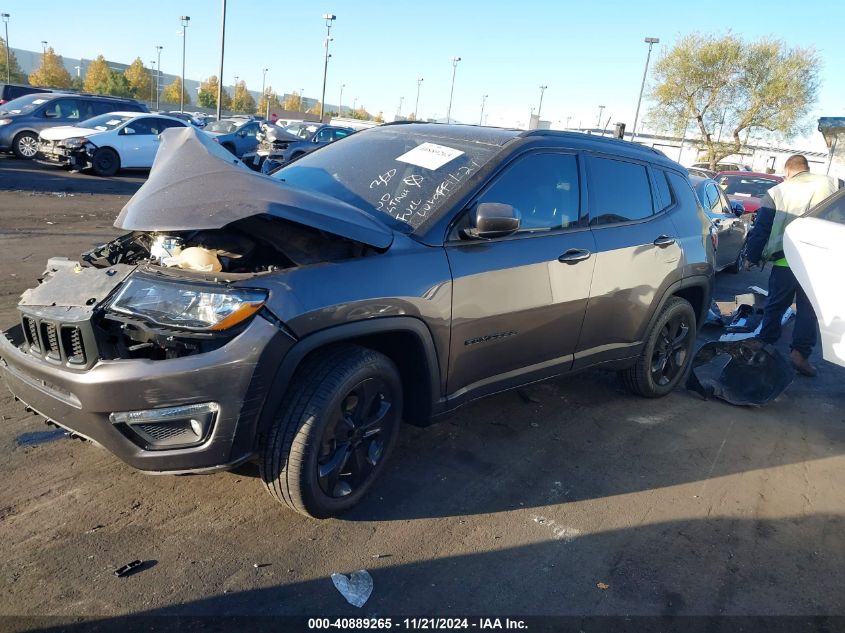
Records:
x=569, y=497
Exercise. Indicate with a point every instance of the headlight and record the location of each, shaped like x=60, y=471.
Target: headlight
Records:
x=5, y=121
x=73, y=143
x=186, y=305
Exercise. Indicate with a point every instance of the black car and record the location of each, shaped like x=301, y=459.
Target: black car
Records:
x=296, y=320
x=13, y=91
x=22, y=119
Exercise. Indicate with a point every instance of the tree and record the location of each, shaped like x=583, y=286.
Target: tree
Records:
x=361, y=114
x=207, y=96
x=379, y=118
x=52, y=72
x=170, y=94
x=261, y=108
x=314, y=109
x=139, y=79
x=242, y=101
x=725, y=82
x=412, y=116
x=16, y=75
x=292, y=103
x=97, y=76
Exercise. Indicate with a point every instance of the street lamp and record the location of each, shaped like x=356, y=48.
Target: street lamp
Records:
x=158, y=76
x=264, y=92
x=417, y=103
x=354, y=104
x=329, y=18
x=302, y=99
x=540, y=107
x=651, y=41
x=455, y=61
x=222, y=51
x=5, y=17
x=481, y=116
x=601, y=109
x=152, y=74
x=43, y=46
x=185, y=19
x=340, y=101
x=399, y=110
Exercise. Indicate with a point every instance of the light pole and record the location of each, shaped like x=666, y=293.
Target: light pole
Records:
x=601, y=109
x=302, y=99
x=567, y=122
x=43, y=46
x=399, y=110
x=483, y=102
x=222, y=51
x=340, y=101
x=185, y=19
x=540, y=107
x=417, y=102
x=158, y=76
x=455, y=61
x=152, y=76
x=329, y=18
x=5, y=17
x=264, y=92
x=651, y=41
x=355, y=104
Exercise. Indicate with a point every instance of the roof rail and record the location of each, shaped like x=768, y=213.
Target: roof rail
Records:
x=592, y=137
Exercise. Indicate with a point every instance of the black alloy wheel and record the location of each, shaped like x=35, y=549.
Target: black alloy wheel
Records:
x=670, y=352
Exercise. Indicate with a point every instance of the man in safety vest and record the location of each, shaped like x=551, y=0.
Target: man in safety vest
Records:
x=796, y=195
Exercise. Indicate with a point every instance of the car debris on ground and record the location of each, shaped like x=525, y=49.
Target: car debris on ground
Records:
x=355, y=588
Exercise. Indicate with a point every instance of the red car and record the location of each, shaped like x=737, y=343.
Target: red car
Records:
x=746, y=187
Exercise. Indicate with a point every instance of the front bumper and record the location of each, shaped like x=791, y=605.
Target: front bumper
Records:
x=237, y=376
x=50, y=153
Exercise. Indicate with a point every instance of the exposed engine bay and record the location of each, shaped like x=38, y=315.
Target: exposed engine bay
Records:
x=254, y=245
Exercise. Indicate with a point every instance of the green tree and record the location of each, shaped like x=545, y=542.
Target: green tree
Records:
x=242, y=101
x=170, y=93
x=292, y=103
x=272, y=97
x=733, y=86
x=207, y=96
x=52, y=72
x=117, y=85
x=361, y=114
x=314, y=109
x=16, y=75
x=97, y=76
x=139, y=80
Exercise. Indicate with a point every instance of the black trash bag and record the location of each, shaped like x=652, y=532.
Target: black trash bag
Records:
x=755, y=374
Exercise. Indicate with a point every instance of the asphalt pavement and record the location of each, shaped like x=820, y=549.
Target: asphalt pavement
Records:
x=569, y=497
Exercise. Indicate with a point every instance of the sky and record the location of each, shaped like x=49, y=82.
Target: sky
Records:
x=588, y=54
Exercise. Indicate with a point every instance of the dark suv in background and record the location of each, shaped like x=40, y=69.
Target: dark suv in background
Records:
x=398, y=274
x=13, y=91
x=23, y=118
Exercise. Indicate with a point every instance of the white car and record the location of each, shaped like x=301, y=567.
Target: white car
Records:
x=814, y=245
x=106, y=143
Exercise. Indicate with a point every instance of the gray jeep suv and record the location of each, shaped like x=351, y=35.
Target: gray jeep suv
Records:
x=395, y=274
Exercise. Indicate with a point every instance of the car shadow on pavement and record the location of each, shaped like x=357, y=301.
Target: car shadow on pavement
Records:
x=22, y=175
x=789, y=566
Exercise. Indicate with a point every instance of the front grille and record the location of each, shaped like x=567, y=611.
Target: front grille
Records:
x=59, y=342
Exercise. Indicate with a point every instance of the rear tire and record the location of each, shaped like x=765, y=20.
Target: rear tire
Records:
x=667, y=353
x=333, y=432
x=25, y=145
x=105, y=162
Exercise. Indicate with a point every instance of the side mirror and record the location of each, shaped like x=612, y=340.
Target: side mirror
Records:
x=737, y=208
x=493, y=219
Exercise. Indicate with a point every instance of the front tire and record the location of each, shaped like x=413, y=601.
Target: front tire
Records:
x=334, y=431
x=105, y=162
x=667, y=354
x=25, y=145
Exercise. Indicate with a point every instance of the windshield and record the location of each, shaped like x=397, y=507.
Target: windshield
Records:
x=746, y=185
x=302, y=130
x=104, y=122
x=222, y=127
x=23, y=105
x=406, y=175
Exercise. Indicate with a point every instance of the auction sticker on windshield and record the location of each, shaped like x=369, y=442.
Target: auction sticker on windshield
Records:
x=429, y=156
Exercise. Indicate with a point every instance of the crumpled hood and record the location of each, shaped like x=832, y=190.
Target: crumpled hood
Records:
x=196, y=184
x=62, y=132
x=275, y=134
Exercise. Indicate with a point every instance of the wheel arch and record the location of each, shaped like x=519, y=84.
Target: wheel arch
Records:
x=407, y=341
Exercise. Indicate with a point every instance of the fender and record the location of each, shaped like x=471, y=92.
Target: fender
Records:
x=693, y=281
x=351, y=332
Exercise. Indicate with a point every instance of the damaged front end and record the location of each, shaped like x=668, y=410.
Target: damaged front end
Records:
x=76, y=153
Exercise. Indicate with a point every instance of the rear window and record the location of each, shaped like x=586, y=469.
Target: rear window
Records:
x=832, y=210
x=25, y=104
x=619, y=191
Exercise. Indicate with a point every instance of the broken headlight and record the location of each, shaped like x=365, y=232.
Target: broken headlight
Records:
x=188, y=306
x=74, y=143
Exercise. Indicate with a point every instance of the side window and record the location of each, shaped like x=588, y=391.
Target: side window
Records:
x=543, y=187
x=682, y=190
x=86, y=110
x=663, y=191
x=714, y=204
x=724, y=203
x=62, y=109
x=339, y=134
x=143, y=126
x=250, y=130
x=833, y=211
x=324, y=135
x=167, y=123
x=619, y=191
x=103, y=107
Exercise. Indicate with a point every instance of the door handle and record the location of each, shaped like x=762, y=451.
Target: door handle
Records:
x=574, y=255
x=664, y=240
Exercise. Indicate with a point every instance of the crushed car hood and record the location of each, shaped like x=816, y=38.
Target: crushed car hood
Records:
x=196, y=184
x=63, y=132
x=276, y=134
